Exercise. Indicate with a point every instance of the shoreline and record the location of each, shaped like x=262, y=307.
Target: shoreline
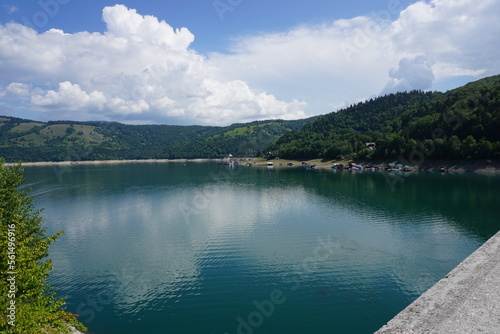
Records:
x=475, y=166
x=107, y=162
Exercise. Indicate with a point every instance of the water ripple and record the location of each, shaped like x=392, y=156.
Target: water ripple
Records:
x=130, y=246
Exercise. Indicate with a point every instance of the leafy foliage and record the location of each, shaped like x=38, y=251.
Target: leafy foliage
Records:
x=238, y=139
x=24, y=244
x=460, y=124
x=25, y=140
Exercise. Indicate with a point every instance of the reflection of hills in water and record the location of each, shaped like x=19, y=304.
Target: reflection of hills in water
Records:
x=169, y=243
x=469, y=200
x=426, y=203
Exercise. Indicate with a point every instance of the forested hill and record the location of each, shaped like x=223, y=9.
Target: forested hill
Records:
x=26, y=140
x=463, y=123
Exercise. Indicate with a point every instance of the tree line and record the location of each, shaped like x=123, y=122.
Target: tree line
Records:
x=77, y=141
x=460, y=124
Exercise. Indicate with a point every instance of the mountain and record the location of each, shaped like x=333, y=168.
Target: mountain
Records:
x=27, y=140
x=463, y=123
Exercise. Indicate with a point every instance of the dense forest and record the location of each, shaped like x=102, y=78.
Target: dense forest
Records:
x=463, y=123
x=26, y=140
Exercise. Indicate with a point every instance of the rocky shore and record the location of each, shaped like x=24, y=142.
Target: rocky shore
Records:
x=476, y=166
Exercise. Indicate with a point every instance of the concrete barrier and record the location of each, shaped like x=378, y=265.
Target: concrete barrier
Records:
x=467, y=300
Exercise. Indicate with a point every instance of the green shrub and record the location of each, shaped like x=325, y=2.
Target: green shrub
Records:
x=24, y=245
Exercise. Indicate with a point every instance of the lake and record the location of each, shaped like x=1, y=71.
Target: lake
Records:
x=201, y=248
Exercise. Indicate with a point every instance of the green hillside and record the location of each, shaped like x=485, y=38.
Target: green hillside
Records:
x=463, y=123
x=248, y=139
x=27, y=140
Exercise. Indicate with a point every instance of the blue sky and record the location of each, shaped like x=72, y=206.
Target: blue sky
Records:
x=233, y=60
x=213, y=24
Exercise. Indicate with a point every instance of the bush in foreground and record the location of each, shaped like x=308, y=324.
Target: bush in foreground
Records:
x=29, y=304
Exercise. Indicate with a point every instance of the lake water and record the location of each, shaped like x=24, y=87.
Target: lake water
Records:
x=199, y=248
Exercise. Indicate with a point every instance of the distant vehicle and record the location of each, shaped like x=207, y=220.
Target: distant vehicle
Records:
x=355, y=167
x=406, y=168
x=372, y=168
x=393, y=167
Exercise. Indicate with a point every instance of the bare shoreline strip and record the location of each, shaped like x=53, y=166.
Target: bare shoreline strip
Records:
x=473, y=166
x=108, y=162
x=464, y=301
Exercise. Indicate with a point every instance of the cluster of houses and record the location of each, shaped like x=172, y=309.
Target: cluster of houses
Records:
x=355, y=167
x=398, y=168
x=229, y=160
x=392, y=167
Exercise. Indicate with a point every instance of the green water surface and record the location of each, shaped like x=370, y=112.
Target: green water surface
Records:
x=199, y=248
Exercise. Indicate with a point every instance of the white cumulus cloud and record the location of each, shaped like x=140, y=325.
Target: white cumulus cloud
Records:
x=126, y=23
x=17, y=89
x=411, y=73
x=141, y=69
x=394, y=49
x=69, y=96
